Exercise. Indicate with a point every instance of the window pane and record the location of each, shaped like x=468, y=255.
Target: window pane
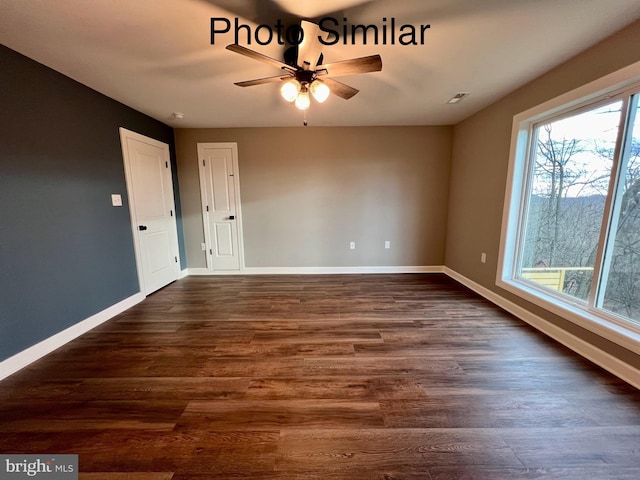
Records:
x=566, y=199
x=622, y=268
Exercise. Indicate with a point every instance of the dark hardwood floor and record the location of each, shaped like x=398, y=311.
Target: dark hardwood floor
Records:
x=390, y=377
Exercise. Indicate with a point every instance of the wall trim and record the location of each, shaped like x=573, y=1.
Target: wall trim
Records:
x=320, y=270
x=201, y=271
x=20, y=360
x=592, y=353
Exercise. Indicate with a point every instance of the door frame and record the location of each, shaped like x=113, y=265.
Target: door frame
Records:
x=203, y=206
x=124, y=135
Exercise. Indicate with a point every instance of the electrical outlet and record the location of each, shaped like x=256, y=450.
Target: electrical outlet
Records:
x=352, y=245
x=203, y=246
x=387, y=244
x=483, y=257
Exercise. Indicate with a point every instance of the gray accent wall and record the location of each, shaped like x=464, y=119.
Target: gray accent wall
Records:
x=65, y=252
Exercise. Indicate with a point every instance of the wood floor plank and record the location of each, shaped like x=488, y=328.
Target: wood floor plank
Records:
x=161, y=388
x=16, y=416
x=352, y=387
x=527, y=410
x=322, y=335
x=126, y=476
x=261, y=415
x=466, y=473
x=389, y=449
x=576, y=447
x=388, y=365
x=310, y=377
x=262, y=350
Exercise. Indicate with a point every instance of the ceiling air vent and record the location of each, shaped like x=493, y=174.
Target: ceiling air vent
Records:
x=457, y=97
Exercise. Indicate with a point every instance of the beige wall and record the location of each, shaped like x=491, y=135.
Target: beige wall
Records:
x=479, y=169
x=307, y=192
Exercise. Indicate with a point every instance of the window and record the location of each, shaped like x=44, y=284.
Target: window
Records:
x=571, y=232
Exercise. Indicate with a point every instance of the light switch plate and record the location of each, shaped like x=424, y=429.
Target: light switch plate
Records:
x=116, y=200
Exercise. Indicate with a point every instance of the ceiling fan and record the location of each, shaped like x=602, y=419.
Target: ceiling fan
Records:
x=303, y=71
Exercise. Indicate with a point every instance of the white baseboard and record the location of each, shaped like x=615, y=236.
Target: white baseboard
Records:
x=320, y=270
x=39, y=350
x=183, y=273
x=340, y=270
x=198, y=271
x=610, y=363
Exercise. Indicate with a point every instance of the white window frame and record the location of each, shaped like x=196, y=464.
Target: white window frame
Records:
x=622, y=332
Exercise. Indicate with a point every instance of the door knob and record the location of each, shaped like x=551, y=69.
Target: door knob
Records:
x=142, y=227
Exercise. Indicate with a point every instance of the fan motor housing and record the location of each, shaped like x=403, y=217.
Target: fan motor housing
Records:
x=305, y=76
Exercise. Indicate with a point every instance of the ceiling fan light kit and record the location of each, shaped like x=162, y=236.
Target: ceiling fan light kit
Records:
x=298, y=92
x=303, y=75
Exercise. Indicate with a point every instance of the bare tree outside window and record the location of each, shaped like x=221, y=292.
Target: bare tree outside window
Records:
x=569, y=184
x=622, y=265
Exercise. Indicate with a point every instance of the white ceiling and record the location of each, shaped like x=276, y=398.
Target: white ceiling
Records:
x=156, y=55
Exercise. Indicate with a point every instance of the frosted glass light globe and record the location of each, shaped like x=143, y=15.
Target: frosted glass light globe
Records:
x=319, y=91
x=303, y=101
x=289, y=90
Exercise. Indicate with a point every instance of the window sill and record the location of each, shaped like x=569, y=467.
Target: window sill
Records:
x=615, y=329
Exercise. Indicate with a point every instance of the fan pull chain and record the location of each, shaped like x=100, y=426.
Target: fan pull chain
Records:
x=304, y=121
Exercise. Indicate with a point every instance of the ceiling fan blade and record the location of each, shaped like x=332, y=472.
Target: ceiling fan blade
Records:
x=372, y=63
x=310, y=48
x=340, y=89
x=260, y=57
x=262, y=81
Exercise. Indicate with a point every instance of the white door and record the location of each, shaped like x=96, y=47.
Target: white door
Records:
x=220, y=192
x=150, y=189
